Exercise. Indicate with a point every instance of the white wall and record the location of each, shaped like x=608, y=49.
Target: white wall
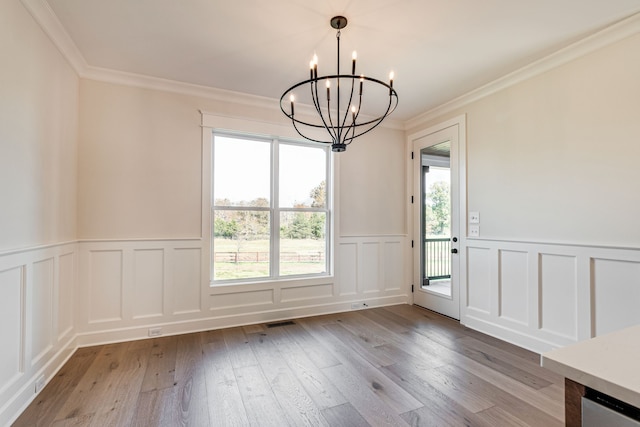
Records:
x=552, y=170
x=38, y=143
x=140, y=166
x=139, y=163
x=143, y=170
x=137, y=253
x=372, y=191
x=38, y=133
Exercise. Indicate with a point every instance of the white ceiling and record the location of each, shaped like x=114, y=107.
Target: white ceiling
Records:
x=438, y=49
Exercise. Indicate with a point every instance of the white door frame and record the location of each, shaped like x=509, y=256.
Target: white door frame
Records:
x=413, y=219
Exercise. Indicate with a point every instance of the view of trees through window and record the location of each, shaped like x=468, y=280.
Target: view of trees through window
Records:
x=438, y=209
x=246, y=244
x=437, y=222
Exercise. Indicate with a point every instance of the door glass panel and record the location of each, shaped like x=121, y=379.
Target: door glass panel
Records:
x=436, y=226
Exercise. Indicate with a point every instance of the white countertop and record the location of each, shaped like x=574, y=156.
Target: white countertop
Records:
x=609, y=364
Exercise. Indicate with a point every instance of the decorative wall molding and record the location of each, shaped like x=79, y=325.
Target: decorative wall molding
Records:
x=51, y=25
x=130, y=286
x=37, y=301
x=609, y=35
x=540, y=296
x=46, y=18
x=544, y=296
x=60, y=297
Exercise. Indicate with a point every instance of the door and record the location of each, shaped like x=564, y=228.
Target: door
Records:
x=436, y=225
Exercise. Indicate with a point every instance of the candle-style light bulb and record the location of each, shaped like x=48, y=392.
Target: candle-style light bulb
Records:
x=353, y=113
x=354, y=55
x=391, y=76
x=328, y=90
x=315, y=65
x=292, y=98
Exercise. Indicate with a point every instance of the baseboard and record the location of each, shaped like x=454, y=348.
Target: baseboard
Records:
x=219, y=322
x=519, y=338
x=12, y=409
x=26, y=394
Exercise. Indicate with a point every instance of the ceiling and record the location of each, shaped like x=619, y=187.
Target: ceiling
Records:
x=438, y=49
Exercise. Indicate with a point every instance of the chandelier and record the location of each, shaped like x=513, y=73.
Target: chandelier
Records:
x=338, y=108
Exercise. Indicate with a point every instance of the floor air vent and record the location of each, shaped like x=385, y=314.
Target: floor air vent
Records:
x=277, y=324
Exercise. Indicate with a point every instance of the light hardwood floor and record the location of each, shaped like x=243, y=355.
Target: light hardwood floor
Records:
x=399, y=365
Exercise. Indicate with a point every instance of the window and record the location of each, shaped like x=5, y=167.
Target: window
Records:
x=270, y=209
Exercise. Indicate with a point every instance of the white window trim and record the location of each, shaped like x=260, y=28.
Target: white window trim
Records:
x=241, y=126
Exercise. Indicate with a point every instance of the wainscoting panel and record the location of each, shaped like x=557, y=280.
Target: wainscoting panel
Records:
x=54, y=299
x=12, y=309
x=558, y=295
x=373, y=265
x=370, y=271
x=42, y=313
x=65, y=294
x=148, y=282
x=186, y=296
x=347, y=270
x=305, y=293
x=105, y=285
x=242, y=299
x=393, y=263
x=132, y=288
x=549, y=295
x=37, y=329
x=479, y=288
x=133, y=283
x=616, y=290
x=369, y=267
x=513, y=285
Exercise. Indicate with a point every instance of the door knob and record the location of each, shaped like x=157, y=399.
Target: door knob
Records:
x=454, y=251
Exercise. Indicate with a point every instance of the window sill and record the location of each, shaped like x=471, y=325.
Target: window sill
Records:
x=274, y=283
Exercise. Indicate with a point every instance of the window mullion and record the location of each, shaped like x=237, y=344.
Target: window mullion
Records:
x=241, y=221
x=328, y=206
x=275, y=211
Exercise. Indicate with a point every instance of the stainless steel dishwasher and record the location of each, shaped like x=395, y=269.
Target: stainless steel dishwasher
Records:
x=600, y=410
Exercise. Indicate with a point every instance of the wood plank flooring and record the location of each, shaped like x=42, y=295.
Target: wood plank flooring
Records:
x=391, y=366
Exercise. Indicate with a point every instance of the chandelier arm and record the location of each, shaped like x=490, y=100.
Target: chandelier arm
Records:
x=295, y=126
x=316, y=102
x=359, y=108
x=331, y=129
x=314, y=95
x=389, y=110
x=378, y=120
x=386, y=113
x=346, y=113
x=353, y=126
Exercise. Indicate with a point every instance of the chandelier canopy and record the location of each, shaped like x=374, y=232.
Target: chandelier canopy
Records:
x=339, y=112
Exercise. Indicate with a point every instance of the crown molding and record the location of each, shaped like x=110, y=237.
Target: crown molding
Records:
x=620, y=30
x=166, y=85
x=53, y=28
x=51, y=25
x=222, y=95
